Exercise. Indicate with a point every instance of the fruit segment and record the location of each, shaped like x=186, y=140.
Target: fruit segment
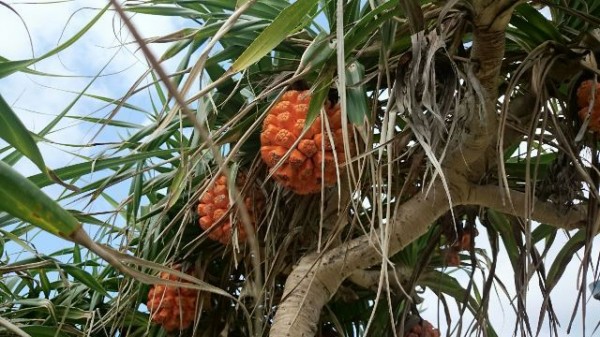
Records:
x=311, y=160
x=215, y=213
x=584, y=101
x=424, y=329
x=172, y=307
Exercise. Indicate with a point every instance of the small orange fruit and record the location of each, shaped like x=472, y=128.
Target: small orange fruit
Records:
x=584, y=99
x=451, y=257
x=584, y=94
x=172, y=307
x=215, y=204
x=312, y=160
x=465, y=241
x=594, y=122
x=424, y=329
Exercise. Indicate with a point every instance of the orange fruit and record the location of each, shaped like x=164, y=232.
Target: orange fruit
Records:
x=584, y=99
x=584, y=94
x=451, y=257
x=594, y=122
x=214, y=210
x=424, y=329
x=465, y=241
x=172, y=307
x=312, y=159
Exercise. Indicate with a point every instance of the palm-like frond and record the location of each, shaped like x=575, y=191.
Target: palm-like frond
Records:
x=446, y=144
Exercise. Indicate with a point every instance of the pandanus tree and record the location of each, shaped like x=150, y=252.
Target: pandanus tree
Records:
x=311, y=167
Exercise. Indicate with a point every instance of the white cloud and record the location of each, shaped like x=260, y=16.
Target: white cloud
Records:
x=37, y=99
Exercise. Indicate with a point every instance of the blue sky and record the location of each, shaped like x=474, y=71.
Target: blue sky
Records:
x=37, y=99
x=106, y=50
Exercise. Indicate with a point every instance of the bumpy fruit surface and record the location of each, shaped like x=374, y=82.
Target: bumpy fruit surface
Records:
x=172, y=307
x=424, y=329
x=214, y=206
x=312, y=161
x=584, y=94
x=451, y=257
x=464, y=243
x=584, y=99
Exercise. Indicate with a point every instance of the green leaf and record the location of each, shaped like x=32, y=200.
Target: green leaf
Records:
x=501, y=224
x=320, y=91
x=165, y=11
x=45, y=282
x=364, y=28
x=84, y=277
x=21, y=198
x=543, y=231
x=178, y=184
x=78, y=170
x=356, y=100
x=45, y=331
x=16, y=134
x=538, y=22
x=440, y=282
x=285, y=23
x=321, y=49
x=563, y=258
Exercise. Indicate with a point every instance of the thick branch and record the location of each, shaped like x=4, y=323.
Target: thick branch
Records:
x=316, y=278
x=491, y=196
x=369, y=279
x=490, y=19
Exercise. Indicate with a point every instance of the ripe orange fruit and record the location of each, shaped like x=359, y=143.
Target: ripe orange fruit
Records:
x=584, y=99
x=594, y=122
x=172, y=307
x=424, y=329
x=465, y=241
x=312, y=160
x=214, y=206
x=584, y=94
x=451, y=257
x=465, y=238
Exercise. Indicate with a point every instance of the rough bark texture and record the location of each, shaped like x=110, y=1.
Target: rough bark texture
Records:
x=317, y=277
x=544, y=212
x=313, y=281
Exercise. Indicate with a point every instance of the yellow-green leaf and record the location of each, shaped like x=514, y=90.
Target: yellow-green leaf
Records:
x=16, y=134
x=22, y=199
x=356, y=99
x=286, y=22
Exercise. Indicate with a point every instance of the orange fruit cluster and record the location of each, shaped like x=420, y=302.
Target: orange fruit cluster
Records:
x=451, y=256
x=312, y=160
x=214, y=205
x=584, y=99
x=425, y=329
x=172, y=307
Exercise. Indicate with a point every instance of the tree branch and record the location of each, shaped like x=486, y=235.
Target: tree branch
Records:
x=492, y=196
x=317, y=277
x=369, y=279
